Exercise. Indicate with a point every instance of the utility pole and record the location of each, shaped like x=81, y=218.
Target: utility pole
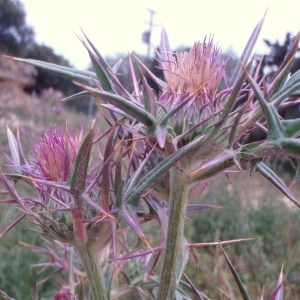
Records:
x=146, y=37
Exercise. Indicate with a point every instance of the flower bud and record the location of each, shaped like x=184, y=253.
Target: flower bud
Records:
x=195, y=72
x=54, y=156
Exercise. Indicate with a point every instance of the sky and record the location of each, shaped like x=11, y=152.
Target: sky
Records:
x=116, y=26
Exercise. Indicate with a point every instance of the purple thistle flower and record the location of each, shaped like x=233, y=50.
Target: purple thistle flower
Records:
x=63, y=294
x=54, y=156
x=197, y=72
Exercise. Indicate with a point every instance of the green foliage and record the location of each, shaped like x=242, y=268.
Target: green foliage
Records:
x=269, y=221
x=18, y=39
x=18, y=277
x=277, y=54
x=15, y=35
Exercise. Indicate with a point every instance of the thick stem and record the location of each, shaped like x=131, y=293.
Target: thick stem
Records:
x=173, y=255
x=91, y=264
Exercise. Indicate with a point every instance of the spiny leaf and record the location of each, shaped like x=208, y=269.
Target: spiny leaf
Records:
x=161, y=135
x=278, y=292
x=174, y=110
x=157, y=80
x=289, y=146
x=276, y=181
x=182, y=259
x=14, y=194
x=165, y=49
x=160, y=169
x=104, y=72
x=106, y=168
x=283, y=71
x=132, y=108
x=196, y=207
x=149, y=97
x=13, y=148
x=29, y=180
x=128, y=213
x=195, y=291
x=212, y=167
x=117, y=111
x=291, y=86
x=235, y=124
x=118, y=177
x=12, y=225
x=100, y=65
x=279, y=79
x=229, y=104
x=275, y=129
x=83, y=76
x=109, y=281
x=236, y=276
x=247, y=51
x=78, y=179
x=134, y=178
x=101, y=75
x=75, y=96
x=208, y=244
x=291, y=127
x=133, y=77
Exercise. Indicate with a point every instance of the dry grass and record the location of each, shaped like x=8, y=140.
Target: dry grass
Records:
x=252, y=208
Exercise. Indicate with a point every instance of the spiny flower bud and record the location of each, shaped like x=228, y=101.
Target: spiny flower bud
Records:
x=63, y=294
x=54, y=156
x=195, y=72
x=198, y=70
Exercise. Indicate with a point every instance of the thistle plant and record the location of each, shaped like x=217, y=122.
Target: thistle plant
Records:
x=92, y=193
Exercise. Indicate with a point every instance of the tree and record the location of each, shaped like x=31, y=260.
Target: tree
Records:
x=46, y=79
x=274, y=60
x=278, y=52
x=17, y=39
x=276, y=56
x=15, y=35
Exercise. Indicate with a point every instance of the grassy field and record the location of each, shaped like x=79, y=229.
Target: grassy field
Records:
x=251, y=208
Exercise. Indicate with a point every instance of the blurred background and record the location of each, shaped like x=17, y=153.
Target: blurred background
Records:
x=30, y=102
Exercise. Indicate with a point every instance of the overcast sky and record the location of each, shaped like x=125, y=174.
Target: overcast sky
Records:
x=116, y=26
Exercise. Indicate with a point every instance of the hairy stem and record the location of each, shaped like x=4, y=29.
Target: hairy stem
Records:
x=173, y=256
x=91, y=266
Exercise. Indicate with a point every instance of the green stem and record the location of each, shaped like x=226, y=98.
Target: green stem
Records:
x=173, y=255
x=92, y=268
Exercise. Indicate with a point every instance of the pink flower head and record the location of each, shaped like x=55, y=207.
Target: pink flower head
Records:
x=63, y=294
x=195, y=72
x=54, y=156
